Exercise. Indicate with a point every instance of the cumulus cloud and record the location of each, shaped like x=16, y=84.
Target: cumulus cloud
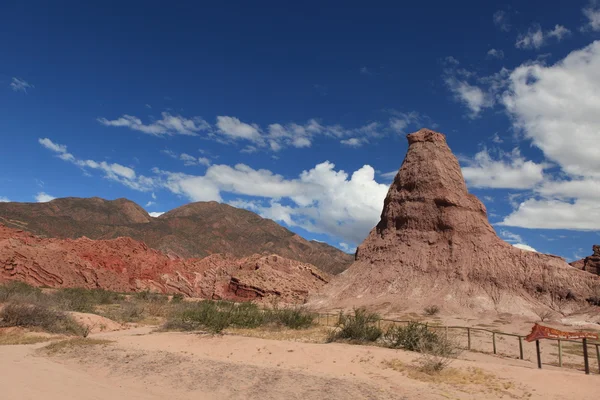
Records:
x=4, y=199
x=20, y=85
x=556, y=108
x=501, y=20
x=156, y=214
x=167, y=125
x=535, y=38
x=509, y=171
x=42, y=197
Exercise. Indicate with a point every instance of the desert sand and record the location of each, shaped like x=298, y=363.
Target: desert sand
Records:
x=144, y=364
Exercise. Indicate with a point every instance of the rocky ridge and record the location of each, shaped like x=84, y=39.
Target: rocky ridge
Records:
x=125, y=265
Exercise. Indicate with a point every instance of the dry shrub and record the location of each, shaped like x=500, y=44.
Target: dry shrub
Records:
x=38, y=316
x=544, y=314
x=431, y=310
x=437, y=355
x=69, y=344
x=359, y=327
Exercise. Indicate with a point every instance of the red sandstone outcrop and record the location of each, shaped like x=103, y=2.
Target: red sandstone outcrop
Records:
x=590, y=264
x=434, y=245
x=124, y=264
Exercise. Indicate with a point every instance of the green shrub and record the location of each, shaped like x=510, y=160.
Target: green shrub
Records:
x=148, y=296
x=16, y=290
x=177, y=298
x=414, y=337
x=83, y=300
x=359, y=327
x=38, y=316
x=294, y=318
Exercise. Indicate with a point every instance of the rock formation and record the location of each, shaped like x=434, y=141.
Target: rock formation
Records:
x=125, y=265
x=591, y=263
x=434, y=245
x=193, y=230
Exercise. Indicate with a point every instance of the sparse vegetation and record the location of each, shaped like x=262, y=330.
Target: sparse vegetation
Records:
x=413, y=337
x=64, y=345
x=214, y=316
x=431, y=310
x=359, y=327
x=39, y=316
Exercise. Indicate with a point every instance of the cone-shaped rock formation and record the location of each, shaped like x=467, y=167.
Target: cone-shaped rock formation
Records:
x=434, y=245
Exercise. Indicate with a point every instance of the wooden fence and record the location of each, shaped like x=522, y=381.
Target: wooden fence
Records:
x=496, y=336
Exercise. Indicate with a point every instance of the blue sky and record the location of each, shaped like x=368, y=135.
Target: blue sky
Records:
x=299, y=112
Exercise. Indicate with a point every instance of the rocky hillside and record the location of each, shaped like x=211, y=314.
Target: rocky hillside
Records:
x=591, y=263
x=126, y=265
x=435, y=246
x=193, y=230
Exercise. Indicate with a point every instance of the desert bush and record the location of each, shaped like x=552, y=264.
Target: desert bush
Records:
x=83, y=300
x=431, y=310
x=544, y=314
x=39, y=316
x=413, y=337
x=294, y=318
x=177, y=298
x=359, y=327
x=148, y=296
x=126, y=312
x=437, y=355
x=18, y=291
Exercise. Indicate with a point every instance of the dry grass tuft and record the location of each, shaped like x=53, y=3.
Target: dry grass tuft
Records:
x=70, y=344
x=15, y=338
x=470, y=380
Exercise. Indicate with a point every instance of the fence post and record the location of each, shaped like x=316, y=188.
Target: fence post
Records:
x=598, y=356
x=521, y=347
x=539, y=354
x=586, y=361
x=469, y=339
x=494, y=341
x=559, y=353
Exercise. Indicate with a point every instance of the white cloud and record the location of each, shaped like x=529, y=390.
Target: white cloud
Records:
x=354, y=142
x=114, y=171
x=234, y=128
x=592, y=13
x=501, y=20
x=347, y=248
x=188, y=160
x=42, y=197
x=150, y=204
x=523, y=246
x=510, y=171
x=320, y=200
x=556, y=107
x=471, y=96
x=389, y=175
x=534, y=213
x=4, y=199
x=156, y=214
x=535, y=38
x=167, y=125
x=494, y=53
x=20, y=85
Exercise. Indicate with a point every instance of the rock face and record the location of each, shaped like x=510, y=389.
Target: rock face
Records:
x=124, y=265
x=590, y=264
x=193, y=230
x=434, y=245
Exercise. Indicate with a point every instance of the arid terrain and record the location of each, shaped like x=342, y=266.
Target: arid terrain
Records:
x=141, y=364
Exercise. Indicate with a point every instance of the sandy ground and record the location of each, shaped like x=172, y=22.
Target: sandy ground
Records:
x=140, y=364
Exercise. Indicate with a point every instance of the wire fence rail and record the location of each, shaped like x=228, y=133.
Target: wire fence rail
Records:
x=500, y=345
